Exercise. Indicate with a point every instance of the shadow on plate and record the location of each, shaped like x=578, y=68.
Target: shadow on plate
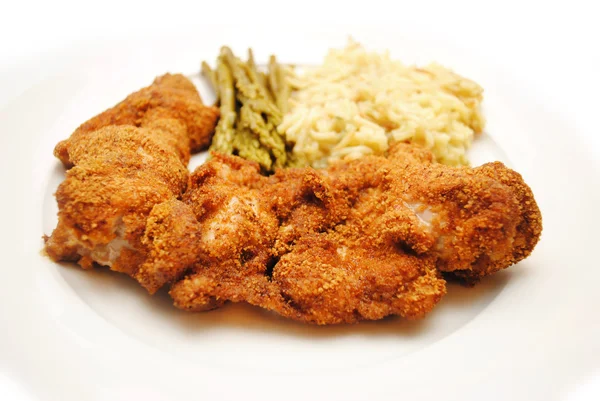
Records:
x=246, y=317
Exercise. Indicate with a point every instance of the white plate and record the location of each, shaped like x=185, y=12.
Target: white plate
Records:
x=529, y=332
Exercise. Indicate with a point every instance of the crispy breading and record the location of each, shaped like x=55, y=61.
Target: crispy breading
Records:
x=134, y=149
x=169, y=97
x=123, y=163
x=361, y=240
x=338, y=278
x=482, y=219
x=528, y=225
x=102, y=216
x=172, y=237
x=270, y=242
x=237, y=229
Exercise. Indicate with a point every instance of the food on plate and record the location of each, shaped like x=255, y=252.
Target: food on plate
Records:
x=170, y=96
x=360, y=240
x=278, y=84
x=357, y=103
x=250, y=114
x=390, y=215
x=122, y=163
x=273, y=242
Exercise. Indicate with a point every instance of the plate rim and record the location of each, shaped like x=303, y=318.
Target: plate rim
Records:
x=382, y=377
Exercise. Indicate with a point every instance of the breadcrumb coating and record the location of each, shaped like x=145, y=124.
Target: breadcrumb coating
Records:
x=361, y=240
x=171, y=96
x=122, y=163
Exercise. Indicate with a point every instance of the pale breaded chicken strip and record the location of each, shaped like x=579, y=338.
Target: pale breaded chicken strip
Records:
x=120, y=172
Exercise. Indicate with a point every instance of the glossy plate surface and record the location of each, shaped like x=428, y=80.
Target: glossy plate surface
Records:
x=93, y=335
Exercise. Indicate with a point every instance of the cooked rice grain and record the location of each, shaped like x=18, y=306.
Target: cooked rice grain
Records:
x=358, y=102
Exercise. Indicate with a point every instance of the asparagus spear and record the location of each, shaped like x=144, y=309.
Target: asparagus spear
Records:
x=251, y=131
x=212, y=77
x=223, y=139
x=284, y=90
x=248, y=147
x=279, y=85
x=246, y=90
x=265, y=131
x=295, y=160
x=255, y=103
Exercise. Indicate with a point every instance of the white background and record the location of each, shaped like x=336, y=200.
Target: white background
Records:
x=554, y=42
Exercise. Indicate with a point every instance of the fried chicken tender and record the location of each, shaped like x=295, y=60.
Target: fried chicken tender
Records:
x=333, y=278
x=475, y=221
x=483, y=219
x=237, y=229
x=269, y=242
x=361, y=240
x=169, y=97
x=127, y=170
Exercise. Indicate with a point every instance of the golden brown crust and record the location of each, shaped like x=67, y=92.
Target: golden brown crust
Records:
x=123, y=163
x=361, y=240
x=128, y=148
x=528, y=221
x=329, y=278
x=99, y=206
x=483, y=219
x=172, y=237
x=169, y=97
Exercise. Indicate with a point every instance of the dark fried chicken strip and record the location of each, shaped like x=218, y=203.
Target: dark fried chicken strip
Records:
x=361, y=240
x=125, y=179
x=270, y=242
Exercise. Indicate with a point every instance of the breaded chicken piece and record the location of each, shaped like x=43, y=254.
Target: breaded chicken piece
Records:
x=268, y=242
x=334, y=277
x=475, y=221
x=359, y=241
x=305, y=202
x=172, y=241
x=118, y=205
x=120, y=174
x=237, y=229
x=169, y=97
